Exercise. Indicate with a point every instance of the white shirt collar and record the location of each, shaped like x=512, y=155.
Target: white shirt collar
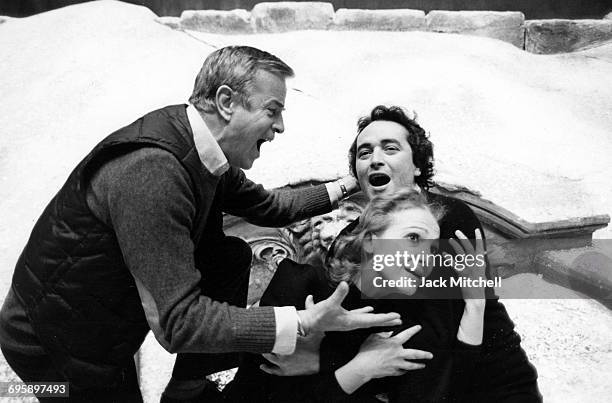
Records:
x=208, y=149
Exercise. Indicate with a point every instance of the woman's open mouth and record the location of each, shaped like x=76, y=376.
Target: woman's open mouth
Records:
x=378, y=179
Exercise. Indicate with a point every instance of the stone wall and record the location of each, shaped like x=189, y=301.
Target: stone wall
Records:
x=536, y=36
x=558, y=36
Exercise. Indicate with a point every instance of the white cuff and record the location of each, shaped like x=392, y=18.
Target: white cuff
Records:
x=334, y=192
x=286, y=330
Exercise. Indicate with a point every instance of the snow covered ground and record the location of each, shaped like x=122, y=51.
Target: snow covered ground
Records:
x=532, y=133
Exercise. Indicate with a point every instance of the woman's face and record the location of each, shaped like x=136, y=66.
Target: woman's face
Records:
x=413, y=232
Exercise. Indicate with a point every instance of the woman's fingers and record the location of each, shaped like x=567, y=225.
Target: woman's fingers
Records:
x=405, y=335
x=479, y=242
x=465, y=242
x=456, y=247
x=410, y=354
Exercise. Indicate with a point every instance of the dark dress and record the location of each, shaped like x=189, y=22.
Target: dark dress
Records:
x=496, y=371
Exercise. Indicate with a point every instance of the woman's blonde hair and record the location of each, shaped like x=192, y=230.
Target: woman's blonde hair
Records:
x=345, y=258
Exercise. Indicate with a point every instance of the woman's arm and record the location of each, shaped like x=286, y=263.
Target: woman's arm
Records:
x=471, y=327
x=379, y=356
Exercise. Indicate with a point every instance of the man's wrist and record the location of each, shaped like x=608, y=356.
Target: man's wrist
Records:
x=301, y=330
x=348, y=185
x=304, y=323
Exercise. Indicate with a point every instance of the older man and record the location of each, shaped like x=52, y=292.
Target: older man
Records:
x=134, y=240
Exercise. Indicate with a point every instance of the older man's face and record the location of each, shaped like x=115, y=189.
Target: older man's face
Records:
x=384, y=159
x=251, y=127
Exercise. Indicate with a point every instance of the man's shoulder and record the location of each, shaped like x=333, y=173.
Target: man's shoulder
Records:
x=143, y=159
x=456, y=215
x=169, y=111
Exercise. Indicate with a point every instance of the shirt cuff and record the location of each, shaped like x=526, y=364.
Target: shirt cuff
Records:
x=286, y=330
x=334, y=192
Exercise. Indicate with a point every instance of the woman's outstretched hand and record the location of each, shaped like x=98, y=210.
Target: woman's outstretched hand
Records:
x=471, y=327
x=475, y=271
x=329, y=315
x=379, y=356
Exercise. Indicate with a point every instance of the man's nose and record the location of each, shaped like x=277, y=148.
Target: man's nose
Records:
x=377, y=158
x=279, y=125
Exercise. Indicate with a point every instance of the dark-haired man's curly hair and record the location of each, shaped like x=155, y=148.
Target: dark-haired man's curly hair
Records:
x=422, y=147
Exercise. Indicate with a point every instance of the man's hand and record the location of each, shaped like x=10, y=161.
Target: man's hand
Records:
x=329, y=315
x=304, y=361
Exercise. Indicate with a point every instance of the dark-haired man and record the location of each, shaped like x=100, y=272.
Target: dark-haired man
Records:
x=134, y=241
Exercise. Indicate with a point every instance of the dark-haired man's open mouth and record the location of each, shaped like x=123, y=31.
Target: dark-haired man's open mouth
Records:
x=379, y=179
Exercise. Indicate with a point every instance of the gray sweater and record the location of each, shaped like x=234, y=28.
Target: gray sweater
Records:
x=146, y=197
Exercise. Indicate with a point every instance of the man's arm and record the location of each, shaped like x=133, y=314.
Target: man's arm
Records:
x=146, y=197
x=280, y=207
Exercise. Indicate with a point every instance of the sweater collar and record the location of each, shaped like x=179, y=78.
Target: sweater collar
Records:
x=208, y=149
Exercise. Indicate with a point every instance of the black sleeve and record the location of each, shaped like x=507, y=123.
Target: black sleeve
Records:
x=326, y=389
x=465, y=359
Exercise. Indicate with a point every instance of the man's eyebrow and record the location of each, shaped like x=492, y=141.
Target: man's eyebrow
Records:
x=364, y=145
x=274, y=101
x=387, y=141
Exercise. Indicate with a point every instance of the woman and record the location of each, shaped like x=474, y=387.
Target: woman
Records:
x=391, y=152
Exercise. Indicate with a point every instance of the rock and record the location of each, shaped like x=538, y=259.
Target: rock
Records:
x=380, y=20
x=559, y=36
x=608, y=16
x=217, y=21
x=586, y=270
x=292, y=16
x=503, y=25
x=171, y=22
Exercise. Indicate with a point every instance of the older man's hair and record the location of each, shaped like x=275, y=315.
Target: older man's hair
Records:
x=236, y=67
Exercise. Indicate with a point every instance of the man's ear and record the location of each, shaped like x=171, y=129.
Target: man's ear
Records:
x=224, y=99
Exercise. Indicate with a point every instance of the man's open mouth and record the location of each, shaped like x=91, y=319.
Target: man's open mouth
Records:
x=378, y=179
x=259, y=143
